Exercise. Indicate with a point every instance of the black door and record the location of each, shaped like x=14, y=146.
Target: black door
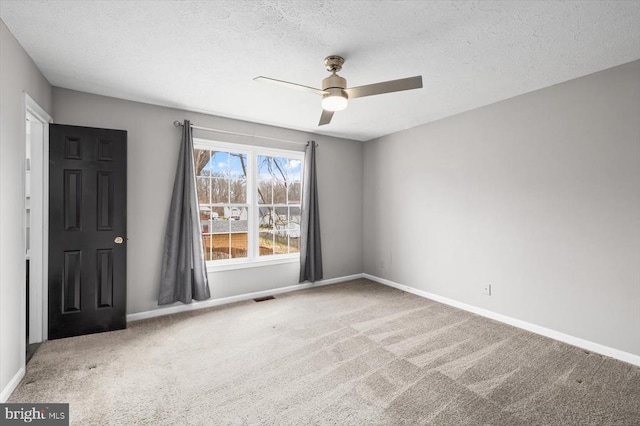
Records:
x=87, y=230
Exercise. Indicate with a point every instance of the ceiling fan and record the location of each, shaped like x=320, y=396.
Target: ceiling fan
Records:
x=335, y=94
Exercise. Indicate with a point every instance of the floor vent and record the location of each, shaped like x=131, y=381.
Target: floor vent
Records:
x=262, y=299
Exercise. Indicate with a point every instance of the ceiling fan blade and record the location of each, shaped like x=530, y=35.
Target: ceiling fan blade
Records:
x=289, y=85
x=385, y=87
x=325, y=118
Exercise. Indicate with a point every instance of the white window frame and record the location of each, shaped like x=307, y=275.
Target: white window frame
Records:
x=252, y=152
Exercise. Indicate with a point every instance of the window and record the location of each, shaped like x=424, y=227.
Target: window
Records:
x=249, y=201
x=279, y=199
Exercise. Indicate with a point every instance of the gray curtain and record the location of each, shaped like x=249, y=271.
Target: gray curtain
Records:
x=310, y=247
x=184, y=273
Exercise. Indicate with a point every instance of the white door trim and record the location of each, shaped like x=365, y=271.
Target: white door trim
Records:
x=39, y=253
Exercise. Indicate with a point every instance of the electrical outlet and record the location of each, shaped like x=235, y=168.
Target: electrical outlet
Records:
x=486, y=289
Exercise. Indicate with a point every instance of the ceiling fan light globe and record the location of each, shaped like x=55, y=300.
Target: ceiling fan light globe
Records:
x=334, y=102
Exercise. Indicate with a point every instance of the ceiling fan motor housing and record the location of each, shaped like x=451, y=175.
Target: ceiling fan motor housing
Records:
x=334, y=81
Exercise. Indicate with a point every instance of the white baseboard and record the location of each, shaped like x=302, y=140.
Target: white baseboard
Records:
x=547, y=332
x=12, y=385
x=232, y=299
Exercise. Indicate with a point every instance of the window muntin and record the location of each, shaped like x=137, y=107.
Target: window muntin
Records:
x=250, y=202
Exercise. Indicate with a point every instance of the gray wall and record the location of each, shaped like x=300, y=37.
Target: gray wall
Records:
x=538, y=196
x=18, y=75
x=152, y=152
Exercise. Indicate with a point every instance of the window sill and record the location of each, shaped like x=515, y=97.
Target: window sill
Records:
x=295, y=258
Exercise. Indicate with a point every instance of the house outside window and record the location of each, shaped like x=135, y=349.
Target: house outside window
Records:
x=250, y=203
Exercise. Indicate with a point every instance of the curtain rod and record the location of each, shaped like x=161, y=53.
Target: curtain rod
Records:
x=210, y=129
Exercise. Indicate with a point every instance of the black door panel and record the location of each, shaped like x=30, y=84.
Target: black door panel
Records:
x=87, y=230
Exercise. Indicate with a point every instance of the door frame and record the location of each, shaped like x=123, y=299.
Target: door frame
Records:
x=39, y=240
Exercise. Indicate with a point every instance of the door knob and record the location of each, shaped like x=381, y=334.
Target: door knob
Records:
x=118, y=240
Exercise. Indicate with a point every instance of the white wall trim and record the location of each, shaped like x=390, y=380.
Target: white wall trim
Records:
x=547, y=332
x=36, y=109
x=12, y=385
x=232, y=299
x=39, y=286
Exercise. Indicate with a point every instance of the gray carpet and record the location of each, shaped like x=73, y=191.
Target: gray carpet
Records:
x=356, y=353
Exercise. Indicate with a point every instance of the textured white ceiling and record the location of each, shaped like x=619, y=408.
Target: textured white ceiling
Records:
x=202, y=55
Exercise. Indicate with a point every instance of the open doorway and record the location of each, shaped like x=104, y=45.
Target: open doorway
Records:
x=36, y=166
